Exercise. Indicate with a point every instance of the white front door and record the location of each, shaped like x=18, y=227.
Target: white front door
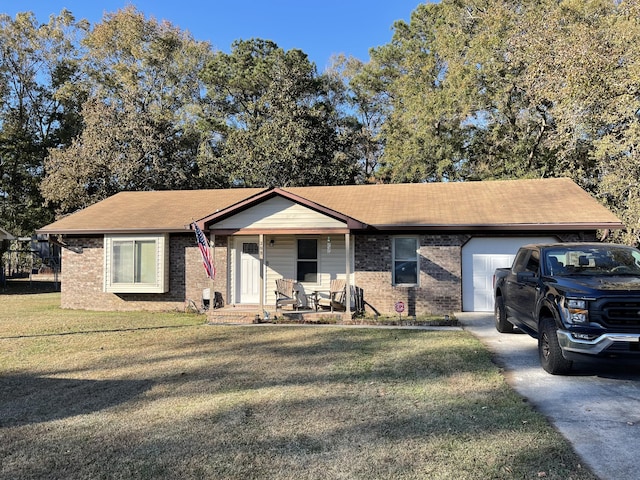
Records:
x=247, y=270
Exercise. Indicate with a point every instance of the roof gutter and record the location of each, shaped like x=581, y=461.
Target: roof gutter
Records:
x=88, y=231
x=354, y=225
x=506, y=226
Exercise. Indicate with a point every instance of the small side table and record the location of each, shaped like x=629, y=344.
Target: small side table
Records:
x=313, y=299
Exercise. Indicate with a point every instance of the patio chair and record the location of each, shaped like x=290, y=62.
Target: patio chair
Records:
x=336, y=298
x=358, y=297
x=286, y=293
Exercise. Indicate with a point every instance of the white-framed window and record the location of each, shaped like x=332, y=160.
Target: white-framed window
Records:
x=406, y=264
x=307, y=261
x=136, y=264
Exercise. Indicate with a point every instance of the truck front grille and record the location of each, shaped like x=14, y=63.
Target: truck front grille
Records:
x=617, y=313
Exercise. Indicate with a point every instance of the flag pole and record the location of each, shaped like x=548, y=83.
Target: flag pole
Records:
x=204, y=246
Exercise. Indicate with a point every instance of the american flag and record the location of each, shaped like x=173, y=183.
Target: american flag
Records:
x=203, y=245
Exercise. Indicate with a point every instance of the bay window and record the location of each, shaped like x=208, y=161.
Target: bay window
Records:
x=136, y=264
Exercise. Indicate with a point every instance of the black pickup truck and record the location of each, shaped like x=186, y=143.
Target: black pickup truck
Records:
x=578, y=299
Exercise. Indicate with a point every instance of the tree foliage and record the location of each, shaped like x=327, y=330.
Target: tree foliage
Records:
x=467, y=90
x=459, y=110
x=272, y=119
x=143, y=97
x=484, y=89
x=368, y=106
x=35, y=115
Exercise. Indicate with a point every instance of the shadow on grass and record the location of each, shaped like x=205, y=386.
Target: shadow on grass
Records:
x=283, y=403
x=27, y=400
x=24, y=286
x=100, y=330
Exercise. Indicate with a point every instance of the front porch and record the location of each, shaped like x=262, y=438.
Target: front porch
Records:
x=279, y=236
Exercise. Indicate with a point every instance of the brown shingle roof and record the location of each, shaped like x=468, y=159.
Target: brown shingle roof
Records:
x=499, y=202
x=158, y=211
x=528, y=204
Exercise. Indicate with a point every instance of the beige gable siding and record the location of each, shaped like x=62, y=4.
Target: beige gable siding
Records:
x=278, y=212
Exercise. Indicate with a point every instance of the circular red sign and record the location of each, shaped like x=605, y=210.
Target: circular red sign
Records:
x=399, y=307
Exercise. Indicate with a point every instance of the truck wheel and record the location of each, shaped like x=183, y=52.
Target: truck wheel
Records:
x=502, y=324
x=549, y=350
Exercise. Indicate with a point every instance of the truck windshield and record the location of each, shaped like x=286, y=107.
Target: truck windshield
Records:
x=593, y=260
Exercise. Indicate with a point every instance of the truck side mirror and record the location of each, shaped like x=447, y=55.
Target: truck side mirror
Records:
x=526, y=277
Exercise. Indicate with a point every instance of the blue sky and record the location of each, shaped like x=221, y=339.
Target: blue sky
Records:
x=318, y=28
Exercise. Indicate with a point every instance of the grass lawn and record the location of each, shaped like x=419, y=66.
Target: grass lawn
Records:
x=103, y=395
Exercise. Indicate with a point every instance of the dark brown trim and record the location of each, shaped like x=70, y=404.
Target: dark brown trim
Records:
x=357, y=228
x=280, y=231
x=533, y=227
x=112, y=231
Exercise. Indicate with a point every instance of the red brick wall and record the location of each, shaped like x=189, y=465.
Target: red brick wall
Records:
x=220, y=257
x=82, y=273
x=440, y=286
x=83, y=270
x=439, y=292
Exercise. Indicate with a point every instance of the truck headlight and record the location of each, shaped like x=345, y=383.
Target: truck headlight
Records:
x=578, y=312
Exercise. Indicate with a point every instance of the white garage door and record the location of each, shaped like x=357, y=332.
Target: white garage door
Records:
x=480, y=258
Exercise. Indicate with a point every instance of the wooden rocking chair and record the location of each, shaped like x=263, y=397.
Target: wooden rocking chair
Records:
x=286, y=293
x=336, y=298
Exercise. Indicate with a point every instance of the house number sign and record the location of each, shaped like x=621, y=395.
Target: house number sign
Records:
x=399, y=307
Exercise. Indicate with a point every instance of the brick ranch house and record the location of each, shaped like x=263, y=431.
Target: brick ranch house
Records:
x=432, y=246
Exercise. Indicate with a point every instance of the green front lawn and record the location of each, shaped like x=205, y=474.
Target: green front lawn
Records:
x=165, y=396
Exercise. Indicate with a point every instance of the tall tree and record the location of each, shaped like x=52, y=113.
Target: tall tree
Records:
x=503, y=89
x=36, y=114
x=617, y=150
x=458, y=109
x=272, y=121
x=143, y=101
x=367, y=107
x=588, y=75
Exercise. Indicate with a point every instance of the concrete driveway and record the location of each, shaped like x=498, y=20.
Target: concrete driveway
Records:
x=597, y=408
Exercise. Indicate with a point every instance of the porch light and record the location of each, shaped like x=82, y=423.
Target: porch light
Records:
x=272, y=242
x=328, y=244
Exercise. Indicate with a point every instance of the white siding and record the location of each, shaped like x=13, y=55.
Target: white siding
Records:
x=279, y=212
x=281, y=262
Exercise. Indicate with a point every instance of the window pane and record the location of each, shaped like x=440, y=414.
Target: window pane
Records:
x=406, y=272
x=250, y=248
x=405, y=248
x=405, y=261
x=145, y=261
x=136, y=264
x=123, y=262
x=308, y=248
x=308, y=272
x=534, y=262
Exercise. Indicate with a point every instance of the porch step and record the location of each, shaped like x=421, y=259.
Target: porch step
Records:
x=309, y=316
x=234, y=315
x=253, y=314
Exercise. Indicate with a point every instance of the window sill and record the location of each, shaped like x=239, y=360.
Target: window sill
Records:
x=135, y=289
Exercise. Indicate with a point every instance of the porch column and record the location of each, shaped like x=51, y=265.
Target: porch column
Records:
x=212, y=250
x=261, y=252
x=347, y=269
